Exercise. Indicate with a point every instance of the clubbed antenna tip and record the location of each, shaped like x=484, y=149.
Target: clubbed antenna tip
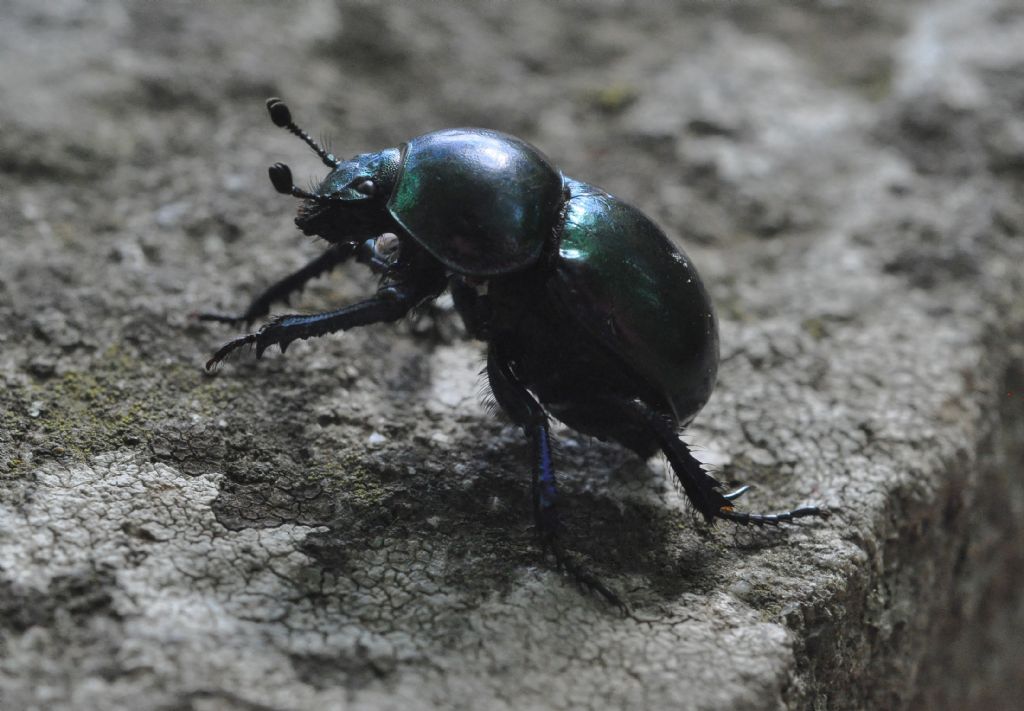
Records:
x=281, y=178
x=279, y=112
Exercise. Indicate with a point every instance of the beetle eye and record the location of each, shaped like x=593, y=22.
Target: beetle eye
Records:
x=366, y=187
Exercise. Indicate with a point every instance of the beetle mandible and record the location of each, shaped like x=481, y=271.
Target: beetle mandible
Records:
x=589, y=312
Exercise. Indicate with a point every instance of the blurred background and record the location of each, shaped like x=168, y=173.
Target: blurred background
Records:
x=348, y=525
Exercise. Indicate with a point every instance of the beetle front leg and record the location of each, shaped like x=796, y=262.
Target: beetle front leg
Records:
x=282, y=289
x=526, y=412
x=389, y=305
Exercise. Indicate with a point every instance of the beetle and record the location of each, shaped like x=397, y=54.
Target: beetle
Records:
x=590, y=314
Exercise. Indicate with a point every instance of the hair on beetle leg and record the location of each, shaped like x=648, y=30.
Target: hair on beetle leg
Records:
x=490, y=405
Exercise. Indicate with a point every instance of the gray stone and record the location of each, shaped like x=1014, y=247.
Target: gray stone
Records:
x=350, y=526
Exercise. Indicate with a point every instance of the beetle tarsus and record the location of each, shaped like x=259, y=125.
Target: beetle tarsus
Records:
x=582, y=575
x=219, y=318
x=744, y=518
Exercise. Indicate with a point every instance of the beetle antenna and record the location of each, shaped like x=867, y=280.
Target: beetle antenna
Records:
x=282, y=117
x=281, y=177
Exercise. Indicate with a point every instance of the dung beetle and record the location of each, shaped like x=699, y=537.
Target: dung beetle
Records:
x=590, y=314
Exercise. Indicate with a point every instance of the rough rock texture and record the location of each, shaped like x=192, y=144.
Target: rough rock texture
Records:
x=348, y=526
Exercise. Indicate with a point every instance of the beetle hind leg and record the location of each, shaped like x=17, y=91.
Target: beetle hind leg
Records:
x=706, y=493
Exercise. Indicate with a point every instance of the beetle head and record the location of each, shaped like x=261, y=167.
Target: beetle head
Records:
x=350, y=202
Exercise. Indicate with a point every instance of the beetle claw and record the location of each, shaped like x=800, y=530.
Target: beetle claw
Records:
x=736, y=493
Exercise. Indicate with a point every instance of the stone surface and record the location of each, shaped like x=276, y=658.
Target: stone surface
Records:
x=349, y=526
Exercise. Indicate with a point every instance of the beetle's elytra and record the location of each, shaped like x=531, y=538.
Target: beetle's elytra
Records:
x=589, y=312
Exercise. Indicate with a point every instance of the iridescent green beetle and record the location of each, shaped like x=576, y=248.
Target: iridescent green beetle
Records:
x=589, y=312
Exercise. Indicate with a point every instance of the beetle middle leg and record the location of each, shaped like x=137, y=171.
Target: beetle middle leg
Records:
x=526, y=412
x=282, y=289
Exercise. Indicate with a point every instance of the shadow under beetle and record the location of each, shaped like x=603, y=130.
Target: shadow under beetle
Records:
x=589, y=312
